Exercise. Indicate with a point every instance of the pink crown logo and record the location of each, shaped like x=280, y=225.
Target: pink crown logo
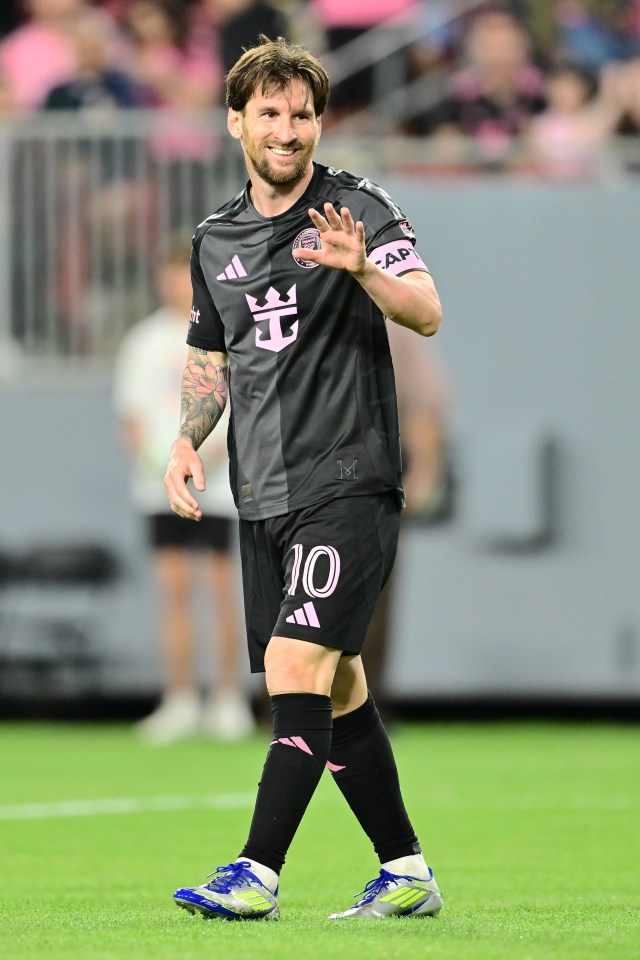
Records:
x=273, y=302
x=273, y=310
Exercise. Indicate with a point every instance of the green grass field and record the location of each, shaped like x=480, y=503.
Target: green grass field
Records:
x=533, y=831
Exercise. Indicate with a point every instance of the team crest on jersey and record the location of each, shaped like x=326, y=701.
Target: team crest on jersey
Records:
x=407, y=229
x=270, y=315
x=308, y=239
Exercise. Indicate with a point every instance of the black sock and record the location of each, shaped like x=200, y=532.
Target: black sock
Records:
x=362, y=763
x=295, y=762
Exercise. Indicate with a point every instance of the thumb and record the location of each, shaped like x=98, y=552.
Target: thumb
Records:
x=198, y=475
x=301, y=253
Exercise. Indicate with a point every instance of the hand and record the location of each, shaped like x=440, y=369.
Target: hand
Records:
x=342, y=241
x=184, y=462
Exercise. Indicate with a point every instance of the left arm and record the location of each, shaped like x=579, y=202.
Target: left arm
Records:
x=410, y=300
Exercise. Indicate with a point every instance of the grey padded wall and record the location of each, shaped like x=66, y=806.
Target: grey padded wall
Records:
x=541, y=337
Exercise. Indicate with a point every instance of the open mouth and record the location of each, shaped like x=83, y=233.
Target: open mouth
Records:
x=283, y=151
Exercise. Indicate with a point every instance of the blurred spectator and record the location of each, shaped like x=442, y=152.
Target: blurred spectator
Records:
x=438, y=37
x=239, y=24
x=148, y=376
x=177, y=67
x=566, y=139
x=10, y=16
x=173, y=66
x=492, y=99
x=95, y=84
x=7, y=97
x=343, y=22
x=592, y=34
x=626, y=81
x=423, y=406
x=38, y=56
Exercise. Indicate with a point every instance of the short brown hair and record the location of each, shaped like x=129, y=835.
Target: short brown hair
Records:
x=272, y=65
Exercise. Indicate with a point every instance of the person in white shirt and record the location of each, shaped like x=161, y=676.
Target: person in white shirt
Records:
x=148, y=374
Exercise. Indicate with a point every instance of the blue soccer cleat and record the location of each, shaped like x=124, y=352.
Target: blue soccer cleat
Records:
x=234, y=893
x=391, y=895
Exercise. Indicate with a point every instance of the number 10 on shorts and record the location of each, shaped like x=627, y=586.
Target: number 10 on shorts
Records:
x=308, y=567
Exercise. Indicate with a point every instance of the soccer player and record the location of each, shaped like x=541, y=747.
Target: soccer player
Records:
x=292, y=282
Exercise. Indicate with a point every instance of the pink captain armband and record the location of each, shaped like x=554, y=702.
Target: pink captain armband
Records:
x=397, y=256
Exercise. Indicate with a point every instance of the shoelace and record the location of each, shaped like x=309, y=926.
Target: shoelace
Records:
x=377, y=885
x=233, y=875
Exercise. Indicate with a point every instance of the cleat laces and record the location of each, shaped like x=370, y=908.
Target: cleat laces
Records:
x=377, y=885
x=233, y=875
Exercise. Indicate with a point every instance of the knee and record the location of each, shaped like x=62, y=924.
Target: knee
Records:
x=293, y=666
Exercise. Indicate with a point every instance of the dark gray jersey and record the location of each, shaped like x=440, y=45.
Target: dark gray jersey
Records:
x=313, y=403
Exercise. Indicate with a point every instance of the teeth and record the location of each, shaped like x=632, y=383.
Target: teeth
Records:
x=283, y=153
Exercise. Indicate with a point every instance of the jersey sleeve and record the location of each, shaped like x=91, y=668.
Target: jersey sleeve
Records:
x=390, y=238
x=206, y=329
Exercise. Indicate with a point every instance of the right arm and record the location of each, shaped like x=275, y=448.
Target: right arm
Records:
x=205, y=387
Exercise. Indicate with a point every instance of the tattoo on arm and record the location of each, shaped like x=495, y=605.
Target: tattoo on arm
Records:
x=205, y=388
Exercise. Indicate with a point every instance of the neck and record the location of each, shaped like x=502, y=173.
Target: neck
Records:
x=271, y=200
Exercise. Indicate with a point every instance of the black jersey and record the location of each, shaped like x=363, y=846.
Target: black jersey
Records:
x=313, y=403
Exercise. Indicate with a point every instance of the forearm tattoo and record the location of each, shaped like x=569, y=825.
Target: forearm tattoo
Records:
x=205, y=387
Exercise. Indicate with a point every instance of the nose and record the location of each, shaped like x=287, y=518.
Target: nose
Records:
x=284, y=131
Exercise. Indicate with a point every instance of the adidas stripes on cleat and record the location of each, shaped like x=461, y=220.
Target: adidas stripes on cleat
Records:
x=390, y=895
x=234, y=893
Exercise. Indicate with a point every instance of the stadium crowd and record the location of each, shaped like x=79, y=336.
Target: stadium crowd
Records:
x=560, y=76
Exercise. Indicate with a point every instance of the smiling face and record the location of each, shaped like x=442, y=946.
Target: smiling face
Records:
x=279, y=133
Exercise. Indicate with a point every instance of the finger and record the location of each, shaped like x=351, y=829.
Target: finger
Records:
x=319, y=220
x=178, y=492
x=333, y=219
x=198, y=475
x=347, y=220
x=360, y=232
x=304, y=254
x=184, y=510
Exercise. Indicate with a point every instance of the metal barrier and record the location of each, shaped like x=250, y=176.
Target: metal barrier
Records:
x=90, y=203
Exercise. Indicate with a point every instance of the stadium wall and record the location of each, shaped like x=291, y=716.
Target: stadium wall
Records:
x=530, y=588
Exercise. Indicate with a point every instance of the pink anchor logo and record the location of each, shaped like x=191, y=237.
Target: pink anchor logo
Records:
x=274, y=310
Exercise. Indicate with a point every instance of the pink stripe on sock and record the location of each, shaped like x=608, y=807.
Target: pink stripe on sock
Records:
x=333, y=767
x=299, y=742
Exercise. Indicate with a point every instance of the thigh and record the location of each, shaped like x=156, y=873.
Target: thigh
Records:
x=262, y=585
x=337, y=557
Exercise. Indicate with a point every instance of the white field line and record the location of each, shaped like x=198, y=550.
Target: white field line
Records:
x=120, y=805
x=245, y=801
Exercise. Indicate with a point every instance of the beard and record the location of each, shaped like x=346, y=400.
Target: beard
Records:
x=274, y=176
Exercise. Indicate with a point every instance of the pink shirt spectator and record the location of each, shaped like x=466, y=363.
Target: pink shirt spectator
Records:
x=198, y=65
x=34, y=59
x=181, y=136
x=363, y=13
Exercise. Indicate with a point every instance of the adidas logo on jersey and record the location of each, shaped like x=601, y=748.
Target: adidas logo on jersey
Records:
x=305, y=615
x=233, y=271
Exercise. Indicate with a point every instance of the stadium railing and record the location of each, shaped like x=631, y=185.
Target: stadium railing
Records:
x=90, y=203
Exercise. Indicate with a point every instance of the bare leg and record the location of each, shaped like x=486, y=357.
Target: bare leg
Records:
x=219, y=570
x=227, y=715
x=349, y=688
x=172, y=572
x=178, y=714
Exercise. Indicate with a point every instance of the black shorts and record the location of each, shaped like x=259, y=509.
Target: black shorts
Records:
x=315, y=574
x=170, y=530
